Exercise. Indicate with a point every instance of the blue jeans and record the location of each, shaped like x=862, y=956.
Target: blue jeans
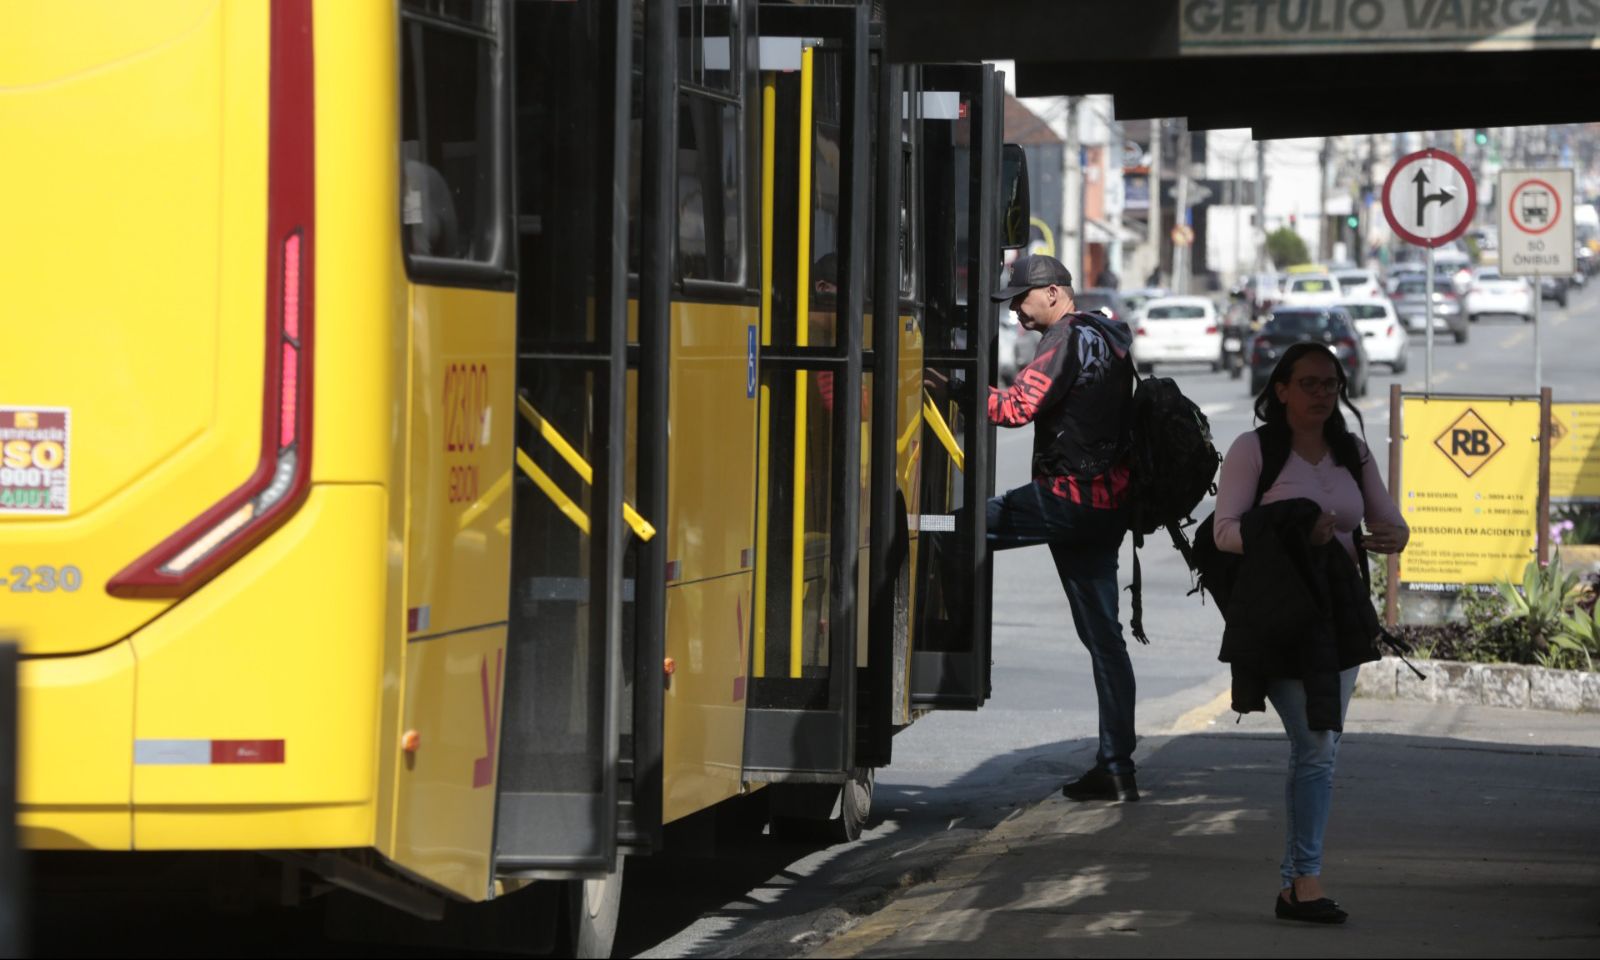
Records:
x=1308, y=792
x=1084, y=543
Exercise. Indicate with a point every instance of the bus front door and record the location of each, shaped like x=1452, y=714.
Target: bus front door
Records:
x=800, y=722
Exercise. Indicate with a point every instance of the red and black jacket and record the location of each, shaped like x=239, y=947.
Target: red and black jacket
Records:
x=1078, y=394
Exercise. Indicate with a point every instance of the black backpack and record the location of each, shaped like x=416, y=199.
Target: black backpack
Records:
x=1172, y=466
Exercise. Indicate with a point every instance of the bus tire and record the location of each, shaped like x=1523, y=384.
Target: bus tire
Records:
x=593, y=907
x=823, y=813
x=855, y=803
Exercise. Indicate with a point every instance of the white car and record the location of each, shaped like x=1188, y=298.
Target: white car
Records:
x=1490, y=293
x=1177, y=330
x=1311, y=290
x=1382, y=333
x=1359, y=284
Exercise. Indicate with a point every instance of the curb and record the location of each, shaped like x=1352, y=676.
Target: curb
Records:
x=1488, y=684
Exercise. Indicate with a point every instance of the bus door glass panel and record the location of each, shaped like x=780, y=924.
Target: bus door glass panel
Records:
x=959, y=152
x=558, y=743
x=793, y=658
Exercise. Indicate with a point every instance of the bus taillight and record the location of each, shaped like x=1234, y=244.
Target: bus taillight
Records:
x=223, y=533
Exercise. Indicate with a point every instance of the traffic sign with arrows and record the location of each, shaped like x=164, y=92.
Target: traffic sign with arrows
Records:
x=1429, y=198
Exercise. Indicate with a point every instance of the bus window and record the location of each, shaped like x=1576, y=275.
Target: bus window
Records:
x=448, y=182
x=710, y=142
x=710, y=234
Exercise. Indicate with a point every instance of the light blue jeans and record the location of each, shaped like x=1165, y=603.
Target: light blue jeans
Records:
x=1308, y=792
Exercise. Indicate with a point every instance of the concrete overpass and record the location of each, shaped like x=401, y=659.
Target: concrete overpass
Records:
x=1285, y=68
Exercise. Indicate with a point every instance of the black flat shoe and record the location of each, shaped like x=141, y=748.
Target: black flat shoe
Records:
x=1312, y=911
x=1099, y=784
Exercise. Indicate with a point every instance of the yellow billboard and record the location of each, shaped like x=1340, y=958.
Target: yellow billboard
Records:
x=1575, y=453
x=1469, y=489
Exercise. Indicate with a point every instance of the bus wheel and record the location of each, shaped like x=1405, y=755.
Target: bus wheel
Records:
x=823, y=813
x=592, y=909
x=855, y=803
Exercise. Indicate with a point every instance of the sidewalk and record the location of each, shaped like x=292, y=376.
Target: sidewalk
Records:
x=1456, y=831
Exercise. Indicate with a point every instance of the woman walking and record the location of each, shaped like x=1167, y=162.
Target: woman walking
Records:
x=1292, y=500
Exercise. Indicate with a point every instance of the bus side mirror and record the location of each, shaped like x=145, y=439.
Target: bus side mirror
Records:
x=1016, y=221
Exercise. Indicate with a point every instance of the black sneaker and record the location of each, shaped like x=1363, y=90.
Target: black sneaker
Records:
x=1312, y=911
x=1100, y=784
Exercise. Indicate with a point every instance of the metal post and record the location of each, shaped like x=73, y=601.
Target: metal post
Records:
x=1153, y=237
x=1538, y=352
x=659, y=233
x=1233, y=201
x=1391, y=600
x=1323, y=158
x=1261, y=208
x=1543, y=530
x=1427, y=324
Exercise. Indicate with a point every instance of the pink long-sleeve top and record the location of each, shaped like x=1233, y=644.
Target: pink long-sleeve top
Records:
x=1326, y=483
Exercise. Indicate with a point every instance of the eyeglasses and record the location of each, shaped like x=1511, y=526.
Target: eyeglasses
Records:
x=1319, y=384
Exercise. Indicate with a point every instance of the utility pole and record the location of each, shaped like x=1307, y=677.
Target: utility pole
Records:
x=1180, y=252
x=1368, y=189
x=1323, y=251
x=1070, y=194
x=1261, y=206
x=1154, y=235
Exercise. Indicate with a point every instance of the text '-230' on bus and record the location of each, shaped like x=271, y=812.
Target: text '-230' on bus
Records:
x=459, y=440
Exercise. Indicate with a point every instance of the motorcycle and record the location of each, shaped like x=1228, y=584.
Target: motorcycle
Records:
x=1236, y=332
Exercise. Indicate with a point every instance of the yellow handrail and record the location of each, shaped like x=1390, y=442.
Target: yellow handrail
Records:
x=564, y=503
x=642, y=528
x=769, y=141
x=930, y=413
x=802, y=321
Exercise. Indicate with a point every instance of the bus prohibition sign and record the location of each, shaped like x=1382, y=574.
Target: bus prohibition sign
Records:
x=1429, y=198
x=1531, y=206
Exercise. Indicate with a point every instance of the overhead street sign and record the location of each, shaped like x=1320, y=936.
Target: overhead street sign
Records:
x=1429, y=198
x=1535, y=211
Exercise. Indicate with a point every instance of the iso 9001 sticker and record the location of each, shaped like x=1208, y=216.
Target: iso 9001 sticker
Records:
x=35, y=464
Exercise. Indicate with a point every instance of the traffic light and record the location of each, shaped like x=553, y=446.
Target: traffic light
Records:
x=1352, y=221
x=1480, y=136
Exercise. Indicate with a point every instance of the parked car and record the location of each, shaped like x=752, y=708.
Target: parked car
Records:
x=1359, y=284
x=1489, y=293
x=1330, y=325
x=1382, y=335
x=1014, y=346
x=1311, y=289
x=1410, y=300
x=1177, y=330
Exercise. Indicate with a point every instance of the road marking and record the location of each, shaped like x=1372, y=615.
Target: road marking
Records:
x=1202, y=717
x=1462, y=365
x=1212, y=409
x=1516, y=338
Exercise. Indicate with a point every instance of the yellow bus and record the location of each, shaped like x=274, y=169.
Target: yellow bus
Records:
x=449, y=443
